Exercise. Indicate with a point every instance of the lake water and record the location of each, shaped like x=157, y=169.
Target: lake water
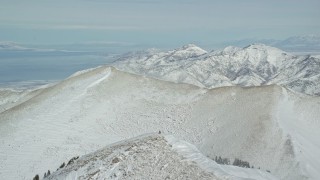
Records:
x=36, y=68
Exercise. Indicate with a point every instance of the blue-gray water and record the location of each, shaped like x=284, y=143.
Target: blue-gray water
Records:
x=40, y=67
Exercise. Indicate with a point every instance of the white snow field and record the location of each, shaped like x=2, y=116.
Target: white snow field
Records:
x=268, y=126
x=151, y=156
x=102, y=106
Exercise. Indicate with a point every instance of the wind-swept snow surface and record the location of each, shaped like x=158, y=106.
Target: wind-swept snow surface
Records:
x=151, y=156
x=95, y=108
x=299, y=118
x=253, y=65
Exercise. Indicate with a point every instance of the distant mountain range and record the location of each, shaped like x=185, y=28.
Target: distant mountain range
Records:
x=12, y=46
x=12, y=49
x=8, y=45
x=306, y=44
x=254, y=65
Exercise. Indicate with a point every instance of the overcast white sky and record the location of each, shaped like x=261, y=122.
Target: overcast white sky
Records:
x=167, y=22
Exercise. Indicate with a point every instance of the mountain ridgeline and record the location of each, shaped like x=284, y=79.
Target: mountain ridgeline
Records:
x=254, y=65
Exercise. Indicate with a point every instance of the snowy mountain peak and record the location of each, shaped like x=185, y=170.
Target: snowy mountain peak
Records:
x=306, y=38
x=261, y=53
x=230, y=50
x=261, y=47
x=251, y=51
x=188, y=46
x=189, y=50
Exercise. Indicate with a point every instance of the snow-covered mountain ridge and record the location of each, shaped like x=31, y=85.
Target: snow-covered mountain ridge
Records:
x=100, y=106
x=151, y=155
x=254, y=65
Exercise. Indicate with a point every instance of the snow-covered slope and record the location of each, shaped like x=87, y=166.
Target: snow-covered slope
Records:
x=101, y=106
x=152, y=156
x=21, y=92
x=10, y=98
x=253, y=65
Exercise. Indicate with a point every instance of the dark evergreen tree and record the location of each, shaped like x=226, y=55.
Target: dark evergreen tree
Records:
x=240, y=163
x=72, y=160
x=62, y=165
x=36, y=177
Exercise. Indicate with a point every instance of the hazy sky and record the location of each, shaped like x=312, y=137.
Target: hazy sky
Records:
x=166, y=22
